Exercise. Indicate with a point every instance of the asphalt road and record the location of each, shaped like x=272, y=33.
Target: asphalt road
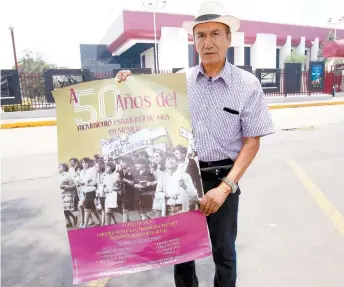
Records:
x=291, y=224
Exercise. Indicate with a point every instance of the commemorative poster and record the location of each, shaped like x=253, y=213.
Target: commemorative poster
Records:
x=130, y=182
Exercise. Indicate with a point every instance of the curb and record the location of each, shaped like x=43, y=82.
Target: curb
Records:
x=28, y=124
x=305, y=105
x=43, y=123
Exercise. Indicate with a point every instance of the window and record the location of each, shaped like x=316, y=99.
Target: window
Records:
x=247, y=56
x=230, y=55
x=143, y=61
x=277, y=58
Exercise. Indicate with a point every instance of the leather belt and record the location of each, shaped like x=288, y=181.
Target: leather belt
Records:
x=207, y=165
x=219, y=169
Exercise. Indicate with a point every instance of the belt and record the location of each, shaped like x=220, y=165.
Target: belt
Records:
x=210, y=165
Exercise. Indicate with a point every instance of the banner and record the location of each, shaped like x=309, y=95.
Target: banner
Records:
x=129, y=176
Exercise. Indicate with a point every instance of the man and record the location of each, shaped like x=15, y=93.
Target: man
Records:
x=189, y=166
x=175, y=190
x=145, y=185
x=229, y=115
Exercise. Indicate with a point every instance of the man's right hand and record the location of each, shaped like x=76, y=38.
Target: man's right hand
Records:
x=123, y=74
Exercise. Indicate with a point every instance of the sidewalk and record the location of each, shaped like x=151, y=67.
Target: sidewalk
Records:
x=51, y=121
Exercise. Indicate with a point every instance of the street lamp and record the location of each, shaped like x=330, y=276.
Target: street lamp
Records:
x=335, y=23
x=14, y=46
x=154, y=5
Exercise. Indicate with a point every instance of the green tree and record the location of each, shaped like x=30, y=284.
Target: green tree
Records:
x=295, y=57
x=320, y=52
x=31, y=68
x=330, y=37
x=34, y=63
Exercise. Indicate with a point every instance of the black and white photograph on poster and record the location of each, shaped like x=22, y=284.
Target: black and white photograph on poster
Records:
x=136, y=176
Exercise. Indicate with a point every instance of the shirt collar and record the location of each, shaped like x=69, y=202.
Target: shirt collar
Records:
x=225, y=74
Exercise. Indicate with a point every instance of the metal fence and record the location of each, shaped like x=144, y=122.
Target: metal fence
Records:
x=36, y=94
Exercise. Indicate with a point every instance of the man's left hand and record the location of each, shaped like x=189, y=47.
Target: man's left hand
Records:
x=213, y=200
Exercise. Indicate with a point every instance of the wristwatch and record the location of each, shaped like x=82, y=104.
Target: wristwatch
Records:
x=233, y=186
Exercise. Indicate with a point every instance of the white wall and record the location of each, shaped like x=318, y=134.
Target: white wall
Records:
x=315, y=50
x=300, y=49
x=114, y=31
x=308, y=58
x=263, y=52
x=238, y=42
x=173, y=48
x=149, y=54
x=285, y=51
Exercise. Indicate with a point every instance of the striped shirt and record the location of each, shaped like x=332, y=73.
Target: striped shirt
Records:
x=224, y=110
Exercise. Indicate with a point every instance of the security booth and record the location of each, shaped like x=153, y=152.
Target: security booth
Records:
x=335, y=50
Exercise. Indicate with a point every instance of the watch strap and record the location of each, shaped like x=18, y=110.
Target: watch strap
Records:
x=233, y=186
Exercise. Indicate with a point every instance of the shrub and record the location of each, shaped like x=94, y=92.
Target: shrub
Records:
x=26, y=105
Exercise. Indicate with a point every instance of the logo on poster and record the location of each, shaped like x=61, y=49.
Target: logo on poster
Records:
x=121, y=103
x=94, y=115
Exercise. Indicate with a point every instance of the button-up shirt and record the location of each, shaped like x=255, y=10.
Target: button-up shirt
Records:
x=224, y=110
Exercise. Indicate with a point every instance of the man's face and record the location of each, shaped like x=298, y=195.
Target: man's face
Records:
x=157, y=158
x=123, y=164
x=171, y=163
x=84, y=164
x=212, y=42
x=180, y=156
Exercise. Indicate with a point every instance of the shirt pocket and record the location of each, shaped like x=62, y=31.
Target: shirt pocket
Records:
x=226, y=123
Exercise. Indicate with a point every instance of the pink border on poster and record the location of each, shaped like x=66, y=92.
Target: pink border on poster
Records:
x=125, y=248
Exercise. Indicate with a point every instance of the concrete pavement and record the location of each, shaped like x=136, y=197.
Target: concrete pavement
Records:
x=290, y=220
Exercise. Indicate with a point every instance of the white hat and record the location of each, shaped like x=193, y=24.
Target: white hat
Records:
x=212, y=11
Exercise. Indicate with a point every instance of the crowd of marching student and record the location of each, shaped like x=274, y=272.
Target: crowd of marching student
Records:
x=95, y=190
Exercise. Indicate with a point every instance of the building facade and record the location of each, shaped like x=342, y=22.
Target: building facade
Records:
x=129, y=43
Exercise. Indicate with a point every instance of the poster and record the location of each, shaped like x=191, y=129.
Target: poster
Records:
x=316, y=76
x=129, y=176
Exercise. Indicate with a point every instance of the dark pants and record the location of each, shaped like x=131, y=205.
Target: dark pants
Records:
x=223, y=231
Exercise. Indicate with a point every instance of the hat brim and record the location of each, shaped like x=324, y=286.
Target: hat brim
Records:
x=231, y=21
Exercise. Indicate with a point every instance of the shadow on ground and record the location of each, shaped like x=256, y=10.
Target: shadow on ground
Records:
x=27, y=261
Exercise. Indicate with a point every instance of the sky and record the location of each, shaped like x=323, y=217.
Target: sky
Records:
x=56, y=28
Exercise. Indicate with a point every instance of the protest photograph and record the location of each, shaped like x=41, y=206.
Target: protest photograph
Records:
x=149, y=182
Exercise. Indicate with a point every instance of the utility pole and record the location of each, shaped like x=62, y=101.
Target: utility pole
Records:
x=14, y=47
x=154, y=5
